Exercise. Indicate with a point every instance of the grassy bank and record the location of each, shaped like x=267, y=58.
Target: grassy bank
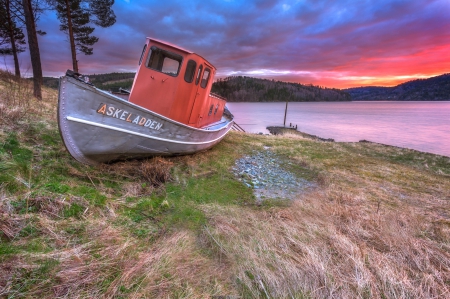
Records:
x=376, y=225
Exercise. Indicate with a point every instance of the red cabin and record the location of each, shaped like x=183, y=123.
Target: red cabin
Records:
x=176, y=83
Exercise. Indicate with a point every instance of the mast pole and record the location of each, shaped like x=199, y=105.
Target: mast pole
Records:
x=285, y=112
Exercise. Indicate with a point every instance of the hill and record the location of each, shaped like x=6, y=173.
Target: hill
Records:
x=431, y=89
x=112, y=81
x=247, y=89
x=372, y=222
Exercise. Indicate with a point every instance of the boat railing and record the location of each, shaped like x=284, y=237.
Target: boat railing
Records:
x=215, y=95
x=237, y=128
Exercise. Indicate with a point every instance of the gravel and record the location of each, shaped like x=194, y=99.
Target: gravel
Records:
x=264, y=173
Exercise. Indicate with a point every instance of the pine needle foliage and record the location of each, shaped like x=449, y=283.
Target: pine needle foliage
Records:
x=10, y=33
x=12, y=38
x=77, y=18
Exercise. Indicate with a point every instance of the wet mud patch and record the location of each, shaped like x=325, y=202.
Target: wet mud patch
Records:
x=269, y=176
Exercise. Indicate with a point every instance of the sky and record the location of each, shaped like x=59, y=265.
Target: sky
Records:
x=331, y=43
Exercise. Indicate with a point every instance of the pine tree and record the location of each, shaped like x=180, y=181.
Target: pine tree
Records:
x=12, y=38
x=76, y=17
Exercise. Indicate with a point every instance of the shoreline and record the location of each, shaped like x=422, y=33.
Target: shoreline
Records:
x=279, y=130
x=354, y=121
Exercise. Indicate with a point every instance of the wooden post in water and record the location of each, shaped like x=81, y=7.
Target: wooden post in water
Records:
x=285, y=112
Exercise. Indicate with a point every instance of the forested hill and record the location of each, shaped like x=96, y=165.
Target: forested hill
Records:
x=112, y=81
x=247, y=89
x=431, y=89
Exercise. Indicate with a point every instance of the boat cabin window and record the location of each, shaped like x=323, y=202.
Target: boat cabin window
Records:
x=205, y=78
x=164, y=61
x=142, y=55
x=199, y=72
x=210, y=110
x=190, y=71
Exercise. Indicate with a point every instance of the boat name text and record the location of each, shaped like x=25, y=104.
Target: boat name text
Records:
x=128, y=117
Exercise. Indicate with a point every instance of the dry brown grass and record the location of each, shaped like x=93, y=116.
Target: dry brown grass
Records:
x=108, y=263
x=292, y=135
x=14, y=218
x=15, y=95
x=333, y=244
x=10, y=225
x=372, y=229
x=173, y=267
x=17, y=104
x=155, y=171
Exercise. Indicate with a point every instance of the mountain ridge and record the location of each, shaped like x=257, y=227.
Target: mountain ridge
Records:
x=431, y=89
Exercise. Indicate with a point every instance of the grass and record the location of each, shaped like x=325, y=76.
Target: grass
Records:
x=375, y=226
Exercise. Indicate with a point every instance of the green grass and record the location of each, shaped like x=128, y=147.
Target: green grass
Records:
x=56, y=187
x=74, y=210
x=22, y=206
x=6, y=248
x=177, y=205
x=94, y=196
x=19, y=154
x=31, y=231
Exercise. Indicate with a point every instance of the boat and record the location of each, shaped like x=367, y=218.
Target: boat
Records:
x=169, y=110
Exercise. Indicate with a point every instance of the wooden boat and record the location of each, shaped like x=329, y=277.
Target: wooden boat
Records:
x=169, y=111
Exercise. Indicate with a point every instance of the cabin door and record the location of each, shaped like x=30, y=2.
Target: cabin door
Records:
x=201, y=81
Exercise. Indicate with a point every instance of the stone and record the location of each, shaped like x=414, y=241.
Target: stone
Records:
x=266, y=176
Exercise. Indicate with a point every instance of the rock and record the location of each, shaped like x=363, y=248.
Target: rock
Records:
x=266, y=176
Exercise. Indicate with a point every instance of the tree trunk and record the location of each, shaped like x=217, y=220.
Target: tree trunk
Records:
x=72, y=40
x=16, y=59
x=34, y=48
x=12, y=39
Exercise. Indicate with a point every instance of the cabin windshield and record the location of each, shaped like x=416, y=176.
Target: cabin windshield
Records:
x=164, y=61
x=190, y=71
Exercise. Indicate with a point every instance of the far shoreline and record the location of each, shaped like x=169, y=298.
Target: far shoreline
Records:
x=280, y=130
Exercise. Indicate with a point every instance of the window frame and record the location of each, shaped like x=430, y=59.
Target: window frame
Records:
x=143, y=53
x=211, y=109
x=207, y=79
x=165, y=54
x=199, y=74
x=193, y=71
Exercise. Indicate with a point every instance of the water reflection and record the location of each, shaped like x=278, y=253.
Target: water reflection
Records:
x=423, y=126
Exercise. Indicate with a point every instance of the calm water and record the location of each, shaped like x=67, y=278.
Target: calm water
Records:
x=424, y=126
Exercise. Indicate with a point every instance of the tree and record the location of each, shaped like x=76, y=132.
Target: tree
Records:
x=34, y=47
x=12, y=38
x=76, y=16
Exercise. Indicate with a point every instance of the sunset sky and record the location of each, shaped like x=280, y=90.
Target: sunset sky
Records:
x=332, y=43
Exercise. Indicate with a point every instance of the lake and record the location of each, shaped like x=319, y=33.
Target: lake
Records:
x=423, y=126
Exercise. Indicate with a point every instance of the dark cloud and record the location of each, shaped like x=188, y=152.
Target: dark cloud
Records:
x=332, y=43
